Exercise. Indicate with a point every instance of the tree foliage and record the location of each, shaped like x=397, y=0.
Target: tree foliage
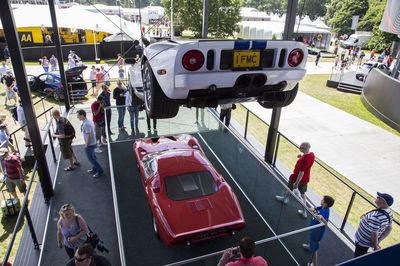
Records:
x=274, y=6
x=342, y=17
x=370, y=22
x=222, y=19
x=311, y=8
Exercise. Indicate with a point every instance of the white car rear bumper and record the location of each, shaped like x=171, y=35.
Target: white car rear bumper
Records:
x=199, y=81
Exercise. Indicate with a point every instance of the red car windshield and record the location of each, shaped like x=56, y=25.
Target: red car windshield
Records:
x=190, y=185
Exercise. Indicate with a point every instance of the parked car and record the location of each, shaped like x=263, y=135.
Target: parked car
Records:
x=312, y=51
x=205, y=73
x=189, y=200
x=50, y=83
x=362, y=73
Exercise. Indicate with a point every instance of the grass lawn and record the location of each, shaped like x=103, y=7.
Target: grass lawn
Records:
x=323, y=183
x=315, y=86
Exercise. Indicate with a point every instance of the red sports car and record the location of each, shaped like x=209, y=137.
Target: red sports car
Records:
x=189, y=200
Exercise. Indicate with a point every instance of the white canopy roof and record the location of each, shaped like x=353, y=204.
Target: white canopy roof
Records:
x=74, y=17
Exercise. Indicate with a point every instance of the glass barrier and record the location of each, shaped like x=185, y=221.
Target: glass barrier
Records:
x=184, y=122
x=253, y=181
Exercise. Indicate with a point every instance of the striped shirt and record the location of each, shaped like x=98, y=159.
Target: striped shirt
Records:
x=374, y=221
x=12, y=163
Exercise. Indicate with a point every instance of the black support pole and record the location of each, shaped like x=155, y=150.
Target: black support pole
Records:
x=59, y=54
x=276, y=112
x=7, y=19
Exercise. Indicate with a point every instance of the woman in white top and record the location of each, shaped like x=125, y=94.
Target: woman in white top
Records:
x=92, y=77
x=45, y=63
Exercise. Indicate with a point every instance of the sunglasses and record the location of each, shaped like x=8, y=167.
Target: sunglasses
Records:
x=80, y=260
x=66, y=206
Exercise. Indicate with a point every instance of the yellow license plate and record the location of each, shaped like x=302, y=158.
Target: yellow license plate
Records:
x=246, y=59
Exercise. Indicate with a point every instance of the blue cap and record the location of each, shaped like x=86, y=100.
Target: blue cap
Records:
x=386, y=197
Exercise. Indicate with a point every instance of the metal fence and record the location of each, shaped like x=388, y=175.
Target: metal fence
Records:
x=363, y=202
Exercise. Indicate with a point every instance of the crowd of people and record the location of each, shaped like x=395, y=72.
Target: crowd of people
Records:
x=345, y=58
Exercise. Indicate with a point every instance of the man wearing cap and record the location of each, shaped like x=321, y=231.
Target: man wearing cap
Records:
x=15, y=173
x=374, y=225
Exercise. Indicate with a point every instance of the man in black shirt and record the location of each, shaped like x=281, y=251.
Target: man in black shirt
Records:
x=119, y=96
x=84, y=257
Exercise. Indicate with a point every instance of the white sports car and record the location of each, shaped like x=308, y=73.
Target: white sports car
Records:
x=205, y=73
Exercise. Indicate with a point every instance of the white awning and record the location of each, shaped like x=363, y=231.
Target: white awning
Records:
x=74, y=17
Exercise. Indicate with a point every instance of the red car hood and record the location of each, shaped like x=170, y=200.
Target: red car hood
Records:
x=191, y=216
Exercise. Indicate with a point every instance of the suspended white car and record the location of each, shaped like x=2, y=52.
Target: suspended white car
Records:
x=205, y=73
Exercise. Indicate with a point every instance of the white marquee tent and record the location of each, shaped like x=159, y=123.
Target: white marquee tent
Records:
x=74, y=17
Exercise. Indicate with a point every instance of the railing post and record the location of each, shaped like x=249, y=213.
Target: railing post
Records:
x=348, y=211
x=52, y=146
x=246, y=124
x=31, y=228
x=276, y=149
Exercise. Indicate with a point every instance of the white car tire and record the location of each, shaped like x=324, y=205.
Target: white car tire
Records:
x=280, y=98
x=157, y=104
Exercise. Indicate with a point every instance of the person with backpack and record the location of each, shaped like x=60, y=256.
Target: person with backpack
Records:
x=374, y=226
x=65, y=133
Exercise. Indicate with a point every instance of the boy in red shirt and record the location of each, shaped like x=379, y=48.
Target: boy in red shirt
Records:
x=13, y=171
x=301, y=175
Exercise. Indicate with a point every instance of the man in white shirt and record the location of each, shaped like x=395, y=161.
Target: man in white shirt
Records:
x=3, y=71
x=22, y=123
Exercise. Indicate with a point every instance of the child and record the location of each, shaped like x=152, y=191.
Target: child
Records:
x=317, y=234
x=121, y=72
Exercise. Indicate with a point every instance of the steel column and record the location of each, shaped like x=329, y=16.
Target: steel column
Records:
x=12, y=38
x=59, y=54
x=276, y=112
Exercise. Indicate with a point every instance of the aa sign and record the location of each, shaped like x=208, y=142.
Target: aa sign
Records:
x=25, y=36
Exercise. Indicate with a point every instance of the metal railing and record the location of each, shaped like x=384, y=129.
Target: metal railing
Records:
x=259, y=242
x=326, y=168
x=24, y=211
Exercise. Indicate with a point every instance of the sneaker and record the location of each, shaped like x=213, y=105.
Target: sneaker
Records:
x=305, y=246
x=97, y=175
x=97, y=150
x=91, y=171
x=285, y=200
x=302, y=213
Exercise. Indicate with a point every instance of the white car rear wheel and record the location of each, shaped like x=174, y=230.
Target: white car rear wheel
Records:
x=280, y=98
x=157, y=104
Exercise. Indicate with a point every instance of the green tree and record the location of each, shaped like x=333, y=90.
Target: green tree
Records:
x=222, y=19
x=312, y=8
x=274, y=6
x=370, y=22
x=341, y=20
x=332, y=8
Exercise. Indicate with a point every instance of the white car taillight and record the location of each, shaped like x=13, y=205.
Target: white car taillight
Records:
x=295, y=57
x=193, y=60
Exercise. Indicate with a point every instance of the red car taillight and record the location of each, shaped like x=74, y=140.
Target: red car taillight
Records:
x=295, y=57
x=193, y=60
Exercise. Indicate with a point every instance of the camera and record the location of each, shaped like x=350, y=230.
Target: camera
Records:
x=235, y=250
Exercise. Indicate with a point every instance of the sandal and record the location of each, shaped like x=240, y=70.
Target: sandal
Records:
x=77, y=163
x=69, y=168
